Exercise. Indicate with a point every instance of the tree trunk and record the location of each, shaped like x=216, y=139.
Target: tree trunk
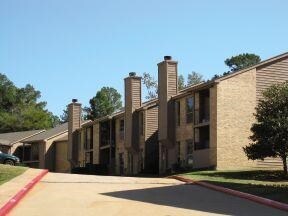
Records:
x=284, y=159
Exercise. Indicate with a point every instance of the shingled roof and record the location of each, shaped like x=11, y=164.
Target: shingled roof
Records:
x=60, y=129
x=14, y=137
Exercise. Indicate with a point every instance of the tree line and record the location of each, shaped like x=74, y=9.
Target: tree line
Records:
x=20, y=109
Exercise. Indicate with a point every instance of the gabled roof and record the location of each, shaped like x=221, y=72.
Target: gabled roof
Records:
x=58, y=130
x=51, y=133
x=232, y=74
x=14, y=137
x=260, y=64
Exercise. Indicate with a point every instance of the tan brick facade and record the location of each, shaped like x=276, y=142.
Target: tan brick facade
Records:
x=184, y=131
x=62, y=164
x=223, y=111
x=96, y=144
x=236, y=102
x=120, y=148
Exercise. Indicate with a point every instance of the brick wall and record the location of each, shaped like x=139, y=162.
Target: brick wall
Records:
x=96, y=144
x=119, y=146
x=236, y=101
x=184, y=131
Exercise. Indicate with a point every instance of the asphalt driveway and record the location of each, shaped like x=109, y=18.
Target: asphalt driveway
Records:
x=66, y=194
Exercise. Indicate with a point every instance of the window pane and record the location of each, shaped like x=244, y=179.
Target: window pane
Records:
x=122, y=125
x=189, y=109
x=202, y=137
x=35, y=152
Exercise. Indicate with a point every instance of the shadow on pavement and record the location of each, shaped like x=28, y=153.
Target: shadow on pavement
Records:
x=194, y=197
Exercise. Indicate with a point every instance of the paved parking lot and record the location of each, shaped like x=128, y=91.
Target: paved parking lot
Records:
x=66, y=194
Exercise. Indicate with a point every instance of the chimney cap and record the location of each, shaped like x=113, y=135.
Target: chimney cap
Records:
x=74, y=100
x=167, y=58
x=132, y=74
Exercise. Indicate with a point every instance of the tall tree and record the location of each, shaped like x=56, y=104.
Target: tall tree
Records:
x=151, y=85
x=194, y=78
x=241, y=61
x=64, y=116
x=106, y=101
x=181, y=82
x=270, y=132
x=8, y=93
x=20, y=109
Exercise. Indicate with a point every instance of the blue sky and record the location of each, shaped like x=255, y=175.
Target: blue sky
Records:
x=70, y=48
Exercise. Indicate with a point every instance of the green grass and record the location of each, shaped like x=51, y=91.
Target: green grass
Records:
x=9, y=172
x=267, y=184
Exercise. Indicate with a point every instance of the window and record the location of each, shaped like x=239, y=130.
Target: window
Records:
x=89, y=138
x=202, y=138
x=122, y=125
x=177, y=108
x=189, y=144
x=189, y=109
x=85, y=138
x=34, y=152
x=141, y=124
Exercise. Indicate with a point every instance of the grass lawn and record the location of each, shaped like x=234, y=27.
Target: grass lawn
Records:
x=9, y=172
x=268, y=184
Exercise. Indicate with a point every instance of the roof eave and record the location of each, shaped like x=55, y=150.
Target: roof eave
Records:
x=46, y=139
x=261, y=64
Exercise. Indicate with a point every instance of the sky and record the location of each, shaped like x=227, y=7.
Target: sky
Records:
x=71, y=48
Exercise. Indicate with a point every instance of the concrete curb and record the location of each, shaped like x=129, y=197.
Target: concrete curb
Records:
x=261, y=200
x=7, y=207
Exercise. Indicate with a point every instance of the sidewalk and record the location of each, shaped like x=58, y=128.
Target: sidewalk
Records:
x=71, y=194
x=10, y=188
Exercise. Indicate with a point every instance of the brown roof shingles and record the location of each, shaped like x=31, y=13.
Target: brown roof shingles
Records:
x=14, y=137
x=60, y=129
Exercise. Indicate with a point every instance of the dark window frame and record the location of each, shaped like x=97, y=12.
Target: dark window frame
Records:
x=189, y=109
x=203, y=143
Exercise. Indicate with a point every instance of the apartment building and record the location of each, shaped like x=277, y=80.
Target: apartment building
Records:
x=201, y=126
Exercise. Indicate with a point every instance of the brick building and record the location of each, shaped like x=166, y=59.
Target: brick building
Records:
x=201, y=126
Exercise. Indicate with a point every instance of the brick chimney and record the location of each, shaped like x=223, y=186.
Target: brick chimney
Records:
x=132, y=102
x=167, y=88
x=74, y=123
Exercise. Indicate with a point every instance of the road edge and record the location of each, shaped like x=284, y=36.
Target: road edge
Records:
x=8, y=206
x=254, y=198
